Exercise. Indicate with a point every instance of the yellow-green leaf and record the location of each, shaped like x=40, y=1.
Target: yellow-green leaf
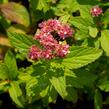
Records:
x=80, y=56
x=15, y=93
x=93, y=31
x=105, y=41
x=59, y=84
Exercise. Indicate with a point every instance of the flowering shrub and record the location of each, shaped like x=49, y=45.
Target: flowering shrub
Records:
x=52, y=48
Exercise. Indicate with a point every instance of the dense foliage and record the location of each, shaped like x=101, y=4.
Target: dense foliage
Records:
x=54, y=47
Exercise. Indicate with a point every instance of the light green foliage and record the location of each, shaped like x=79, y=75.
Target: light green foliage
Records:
x=84, y=70
x=81, y=23
x=80, y=56
x=8, y=69
x=64, y=18
x=3, y=71
x=105, y=17
x=40, y=4
x=66, y=5
x=105, y=86
x=93, y=31
x=105, y=41
x=60, y=85
x=16, y=93
x=10, y=62
x=21, y=42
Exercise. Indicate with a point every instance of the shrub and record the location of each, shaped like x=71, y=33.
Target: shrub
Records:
x=54, y=47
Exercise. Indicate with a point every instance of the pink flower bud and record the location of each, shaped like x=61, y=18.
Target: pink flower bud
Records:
x=96, y=11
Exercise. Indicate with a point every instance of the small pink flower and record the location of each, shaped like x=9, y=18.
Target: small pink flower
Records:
x=96, y=11
x=41, y=36
x=47, y=54
x=46, y=40
x=53, y=25
x=49, y=25
x=34, y=53
x=65, y=31
x=62, y=50
x=49, y=45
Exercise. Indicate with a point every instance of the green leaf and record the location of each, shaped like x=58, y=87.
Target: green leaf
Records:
x=105, y=17
x=85, y=11
x=39, y=5
x=3, y=71
x=105, y=41
x=97, y=100
x=104, y=86
x=73, y=79
x=68, y=5
x=4, y=24
x=16, y=13
x=31, y=89
x=80, y=56
x=10, y=62
x=51, y=96
x=81, y=34
x=22, y=42
x=85, y=6
x=17, y=28
x=65, y=18
x=59, y=84
x=37, y=87
x=93, y=31
x=87, y=78
x=16, y=93
x=81, y=23
x=4, y=85
x=34, y=4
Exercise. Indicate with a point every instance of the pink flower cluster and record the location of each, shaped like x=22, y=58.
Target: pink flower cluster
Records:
x=53, y=25
x=96, y=11
x=51, y=47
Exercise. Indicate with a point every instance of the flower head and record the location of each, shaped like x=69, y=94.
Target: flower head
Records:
x=51, y=48
x=65, y=31
x=96, y=11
